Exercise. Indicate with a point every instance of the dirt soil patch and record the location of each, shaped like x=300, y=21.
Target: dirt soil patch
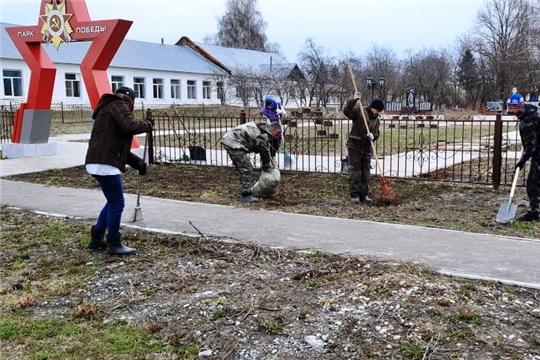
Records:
x=426, y=203
x=189, y=298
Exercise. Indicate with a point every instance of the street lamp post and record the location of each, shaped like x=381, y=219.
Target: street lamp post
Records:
x=456, y=94
x=372, y=85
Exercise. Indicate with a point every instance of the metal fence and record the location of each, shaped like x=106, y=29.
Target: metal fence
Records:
x=426, y=148
x=461, y=150
x=62, y=113
x=6, y=125
x=69, y=112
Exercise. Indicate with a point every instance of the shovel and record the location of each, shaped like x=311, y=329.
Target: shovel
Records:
x=137, y=212
x=508, y=211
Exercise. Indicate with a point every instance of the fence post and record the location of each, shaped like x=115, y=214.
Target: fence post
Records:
x=242, y=116
x=62, y=110
x=497, y=152
x=150, y=139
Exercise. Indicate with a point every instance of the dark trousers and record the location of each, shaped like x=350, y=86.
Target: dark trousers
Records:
x=111, y=215
x=533, y=186
x=359, y=172
x=274, y=146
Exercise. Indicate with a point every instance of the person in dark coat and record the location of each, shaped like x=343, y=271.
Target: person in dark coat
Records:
x=251, y=137
x=359, y=147
x=109, y=150
x=273, y=111
x=529, y=131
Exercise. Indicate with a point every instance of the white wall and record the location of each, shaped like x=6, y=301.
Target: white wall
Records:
x=59, y=94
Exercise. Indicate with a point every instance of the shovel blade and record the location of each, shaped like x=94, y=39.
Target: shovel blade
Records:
x=137, y=214
x=506, y=213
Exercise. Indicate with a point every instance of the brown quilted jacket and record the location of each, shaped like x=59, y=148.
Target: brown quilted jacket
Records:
x=112, y=133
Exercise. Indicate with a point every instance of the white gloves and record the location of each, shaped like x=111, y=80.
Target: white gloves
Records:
x=357, y=96
x=281, y=112
x=370, y=137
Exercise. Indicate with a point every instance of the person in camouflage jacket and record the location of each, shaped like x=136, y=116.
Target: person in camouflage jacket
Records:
x=359, y=147
x=529, y=131
x=251, y=137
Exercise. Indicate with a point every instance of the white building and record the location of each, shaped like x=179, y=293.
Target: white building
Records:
x=187, y=73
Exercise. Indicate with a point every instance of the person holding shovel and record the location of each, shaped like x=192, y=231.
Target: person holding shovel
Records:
x=109, y=150
x=251, y=137
x=529, y=132
x=359, y=146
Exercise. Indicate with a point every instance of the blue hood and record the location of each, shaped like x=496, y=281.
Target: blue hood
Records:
x=269, y=100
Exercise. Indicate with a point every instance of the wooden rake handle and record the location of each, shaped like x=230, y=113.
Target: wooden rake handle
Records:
x=361, y=109
x=514, y=183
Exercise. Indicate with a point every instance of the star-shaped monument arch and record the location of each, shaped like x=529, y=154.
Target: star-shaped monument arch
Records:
x=65, y=21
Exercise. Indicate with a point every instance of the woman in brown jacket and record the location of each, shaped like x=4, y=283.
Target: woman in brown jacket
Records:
x=109, y=150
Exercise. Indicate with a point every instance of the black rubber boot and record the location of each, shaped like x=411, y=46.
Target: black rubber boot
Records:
x=248, y=197
x=115, y=247
x=97, y=239
x=366, y=199
x=530, y=216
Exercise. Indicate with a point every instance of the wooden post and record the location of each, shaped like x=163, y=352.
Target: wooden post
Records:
x=242, y=116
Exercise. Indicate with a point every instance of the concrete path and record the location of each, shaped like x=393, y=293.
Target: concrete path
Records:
x=470, y=255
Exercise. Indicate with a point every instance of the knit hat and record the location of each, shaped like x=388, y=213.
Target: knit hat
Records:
x=126, y=90
x=377, y=105
x=515, y=101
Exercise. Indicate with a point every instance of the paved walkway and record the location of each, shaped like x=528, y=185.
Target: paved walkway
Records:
x=509, y=260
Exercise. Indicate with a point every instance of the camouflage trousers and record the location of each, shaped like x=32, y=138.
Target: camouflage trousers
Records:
x=533, y=185
x=244, y=167
x=359, y=172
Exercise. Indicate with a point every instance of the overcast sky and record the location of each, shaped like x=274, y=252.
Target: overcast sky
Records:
x=339, y=26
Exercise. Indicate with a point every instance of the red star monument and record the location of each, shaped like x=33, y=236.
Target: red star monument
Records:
x=60, y=22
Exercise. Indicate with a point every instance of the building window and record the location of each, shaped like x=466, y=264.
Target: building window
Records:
x=158, y=88
x=139, y=87
x=206, y=90
x=175, y=89
x=73, y=85
x=117, y=82
x=191, y=89
x=12, y=82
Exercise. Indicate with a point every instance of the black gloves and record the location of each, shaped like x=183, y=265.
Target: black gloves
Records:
x=520, y=164
x=142, y=168
x=150, y=120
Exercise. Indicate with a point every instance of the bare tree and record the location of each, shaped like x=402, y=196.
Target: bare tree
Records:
x=223, y=87
x=504, y=37
x=317, y=66
x=283, y=81
x=243, y=27
x=240, y=81
x=428, y=72
x=382, y=62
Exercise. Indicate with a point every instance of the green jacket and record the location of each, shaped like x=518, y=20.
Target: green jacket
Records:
x=529, y=131
x=357, y=136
